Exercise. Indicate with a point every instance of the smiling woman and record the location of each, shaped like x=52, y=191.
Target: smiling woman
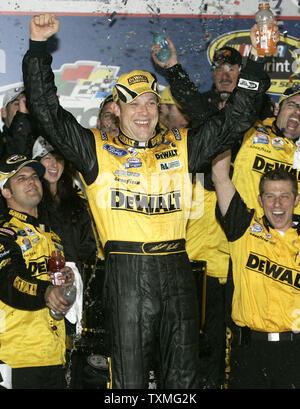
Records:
x=54, y=167
x=63, y=206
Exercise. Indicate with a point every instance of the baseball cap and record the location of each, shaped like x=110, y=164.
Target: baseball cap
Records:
x=40, y=148
x=11, y=95
x=167, y=98
x=226, y=55
x=290, y=92
x=11, y=164
x=133, y=84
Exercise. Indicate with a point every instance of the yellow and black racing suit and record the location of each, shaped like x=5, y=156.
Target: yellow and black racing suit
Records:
x=29, y=336
x=139, y=194
x=264, y=148
x=265, y=299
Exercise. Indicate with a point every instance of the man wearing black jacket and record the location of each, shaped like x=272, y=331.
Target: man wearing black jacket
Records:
x=226, y=66
x=139, y=193
x=18, y=132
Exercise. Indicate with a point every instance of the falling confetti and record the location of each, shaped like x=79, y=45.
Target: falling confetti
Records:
x=111, y=17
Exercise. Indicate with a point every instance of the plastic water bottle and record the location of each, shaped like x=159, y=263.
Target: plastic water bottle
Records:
x=69, y=294
x=265, y=21
x=165, y=53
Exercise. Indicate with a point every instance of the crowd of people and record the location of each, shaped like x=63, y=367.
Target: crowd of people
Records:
x=124, y=193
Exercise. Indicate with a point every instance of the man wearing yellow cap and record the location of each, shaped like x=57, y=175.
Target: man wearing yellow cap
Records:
x=106, y=120
x=139, y=191
x=171, y=115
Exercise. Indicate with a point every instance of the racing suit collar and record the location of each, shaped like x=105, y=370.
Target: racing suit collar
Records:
x=155, y=140
x=23, y=217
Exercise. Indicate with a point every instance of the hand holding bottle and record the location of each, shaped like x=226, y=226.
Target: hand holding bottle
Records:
x=60, y=296
x=67, y=295
x=157, y=48
x=56, y=268
x=254, y=34
x=266, y=39
x=59, y=299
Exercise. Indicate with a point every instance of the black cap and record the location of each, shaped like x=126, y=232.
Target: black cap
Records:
x=11, y=164
x=227, y=55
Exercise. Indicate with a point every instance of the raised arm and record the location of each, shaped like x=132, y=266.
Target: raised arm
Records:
x=224, y=187
x=225, y=129
x=58, y=125
x=231, y=210
x=194, y=103
x=43, y=26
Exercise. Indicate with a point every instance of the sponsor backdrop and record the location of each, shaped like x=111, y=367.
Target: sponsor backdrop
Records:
x=99, y=40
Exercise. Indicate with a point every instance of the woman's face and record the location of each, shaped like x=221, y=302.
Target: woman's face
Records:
x=54, y=165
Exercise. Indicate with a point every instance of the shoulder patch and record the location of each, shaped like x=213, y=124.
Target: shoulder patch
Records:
x=7, y=232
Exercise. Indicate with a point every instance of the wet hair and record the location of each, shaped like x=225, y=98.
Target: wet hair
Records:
x=277, y=175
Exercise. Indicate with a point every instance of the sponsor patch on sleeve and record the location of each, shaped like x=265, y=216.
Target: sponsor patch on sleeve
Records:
x=246, y=84
x=24, y=286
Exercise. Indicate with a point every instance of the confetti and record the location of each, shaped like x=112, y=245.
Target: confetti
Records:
x=111, y=17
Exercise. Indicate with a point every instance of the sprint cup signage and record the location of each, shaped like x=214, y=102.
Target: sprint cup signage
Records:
x=283, y=69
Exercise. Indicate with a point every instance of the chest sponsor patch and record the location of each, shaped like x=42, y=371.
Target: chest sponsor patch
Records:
x=263, y=164
x=26, y=245
x=115, y=151
x=141, y=202
x=166, y=154
x=256, y=228
x=174, y=164
x=119, y=172
x=132, y=151
x=133, y=163
x=260, y=138
x=286, y=275
x=277, y=142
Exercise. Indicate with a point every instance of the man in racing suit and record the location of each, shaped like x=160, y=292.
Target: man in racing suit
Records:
x=32, y=343
x=269, y=144
x=139, y=191
x=265, y=265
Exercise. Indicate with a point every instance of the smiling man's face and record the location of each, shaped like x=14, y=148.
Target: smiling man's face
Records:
x=288, y=119
x=139, y=118
x=278, y=201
